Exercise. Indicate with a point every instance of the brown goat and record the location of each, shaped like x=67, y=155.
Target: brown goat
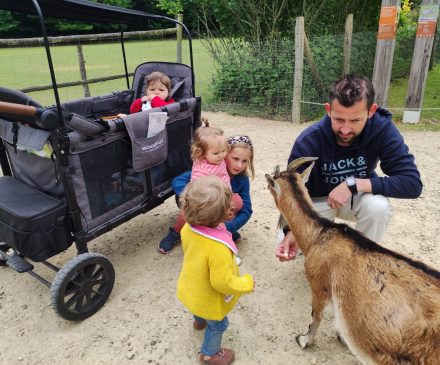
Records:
x=387, y=305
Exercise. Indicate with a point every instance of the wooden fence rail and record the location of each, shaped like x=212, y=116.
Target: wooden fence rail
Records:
x=24, y=42
x=73, y=83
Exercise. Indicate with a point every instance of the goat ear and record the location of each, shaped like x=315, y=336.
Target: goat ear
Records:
x=306, y=173
x=273, y=186
x=270, y=180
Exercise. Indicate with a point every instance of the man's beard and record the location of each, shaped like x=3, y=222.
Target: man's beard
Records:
x=351, y=140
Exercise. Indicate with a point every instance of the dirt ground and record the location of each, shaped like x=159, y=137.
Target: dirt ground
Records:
x=143, y=322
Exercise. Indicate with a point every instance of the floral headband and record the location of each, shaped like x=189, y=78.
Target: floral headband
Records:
x=237, y=139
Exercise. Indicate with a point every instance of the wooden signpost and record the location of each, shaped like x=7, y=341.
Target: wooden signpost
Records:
x=386, y=42
x=426, y=30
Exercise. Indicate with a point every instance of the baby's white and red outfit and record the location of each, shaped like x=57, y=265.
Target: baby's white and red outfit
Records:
x=155, y=103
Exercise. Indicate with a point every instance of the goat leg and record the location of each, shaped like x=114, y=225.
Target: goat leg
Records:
x=308, y=339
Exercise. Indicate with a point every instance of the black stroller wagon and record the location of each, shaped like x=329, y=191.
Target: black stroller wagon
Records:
x=73, y=171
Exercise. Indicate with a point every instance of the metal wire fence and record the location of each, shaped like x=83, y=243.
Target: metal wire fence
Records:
x=244, y=78
x=258, y=79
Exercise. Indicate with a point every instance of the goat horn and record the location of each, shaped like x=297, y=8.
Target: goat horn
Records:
x=299, y=161
x=276, y=172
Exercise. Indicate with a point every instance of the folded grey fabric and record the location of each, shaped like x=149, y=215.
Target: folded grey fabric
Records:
x=28, y=137
x=147, y=152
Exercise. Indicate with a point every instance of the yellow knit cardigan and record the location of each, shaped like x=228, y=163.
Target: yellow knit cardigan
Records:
x=209, y=277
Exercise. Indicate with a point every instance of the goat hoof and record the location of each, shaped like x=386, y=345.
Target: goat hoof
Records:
x=302, y=341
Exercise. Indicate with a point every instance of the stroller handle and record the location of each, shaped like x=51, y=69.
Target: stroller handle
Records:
x=44, y=118
x=13, y=108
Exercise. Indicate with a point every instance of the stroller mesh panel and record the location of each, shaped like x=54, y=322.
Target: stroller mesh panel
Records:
x=109, y=179
x=178, y=160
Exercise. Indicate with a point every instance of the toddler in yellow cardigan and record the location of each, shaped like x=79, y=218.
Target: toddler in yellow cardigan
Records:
x=210, y=284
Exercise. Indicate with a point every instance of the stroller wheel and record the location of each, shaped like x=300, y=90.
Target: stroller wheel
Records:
x=82, y=286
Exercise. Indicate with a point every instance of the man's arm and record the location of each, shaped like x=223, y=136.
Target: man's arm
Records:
x=403, y=180
x=340, y=195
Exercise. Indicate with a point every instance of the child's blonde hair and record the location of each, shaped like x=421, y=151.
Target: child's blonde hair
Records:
x=245, y=143
x=161, y=77
x=202, y=138
x=207, y=201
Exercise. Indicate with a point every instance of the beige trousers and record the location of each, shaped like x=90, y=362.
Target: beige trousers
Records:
x=371, y=213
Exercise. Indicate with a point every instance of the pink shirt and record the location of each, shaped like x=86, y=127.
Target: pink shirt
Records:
x=204, y=168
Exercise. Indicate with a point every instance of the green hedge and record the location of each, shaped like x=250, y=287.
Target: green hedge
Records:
x=258, y=78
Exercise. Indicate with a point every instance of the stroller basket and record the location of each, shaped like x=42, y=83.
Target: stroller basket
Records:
x=32, y=222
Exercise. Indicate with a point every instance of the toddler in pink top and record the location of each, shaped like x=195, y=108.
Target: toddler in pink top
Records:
x=208, y=152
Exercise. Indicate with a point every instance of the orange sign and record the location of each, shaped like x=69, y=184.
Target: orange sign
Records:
x=426, y=29
x=389, y=19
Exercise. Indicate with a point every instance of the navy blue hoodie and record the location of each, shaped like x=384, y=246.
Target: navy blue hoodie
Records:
x=380, y=140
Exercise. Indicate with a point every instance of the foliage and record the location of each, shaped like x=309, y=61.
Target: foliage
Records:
x=261, y=76
x=171, y=6
x=407, y=20
x=256, y=76
x=7, y=22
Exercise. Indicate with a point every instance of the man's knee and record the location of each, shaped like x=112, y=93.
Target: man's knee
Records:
x=376, y=207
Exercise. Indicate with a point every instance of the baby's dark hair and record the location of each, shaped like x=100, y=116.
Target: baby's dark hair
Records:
x=207, y=201
x=351, y=89
x=202, y=138
x=161, y=77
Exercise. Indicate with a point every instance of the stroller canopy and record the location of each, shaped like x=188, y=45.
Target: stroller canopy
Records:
x=77, y=10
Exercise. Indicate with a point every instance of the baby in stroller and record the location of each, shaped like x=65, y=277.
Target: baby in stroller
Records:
x=157, y=92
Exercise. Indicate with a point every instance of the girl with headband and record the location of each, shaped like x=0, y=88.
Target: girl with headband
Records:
x=240, y=167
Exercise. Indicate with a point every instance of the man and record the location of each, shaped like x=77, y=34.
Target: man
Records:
x=349, y=141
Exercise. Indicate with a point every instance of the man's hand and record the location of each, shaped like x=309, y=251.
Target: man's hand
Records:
x=339, y=196
x=287, y=248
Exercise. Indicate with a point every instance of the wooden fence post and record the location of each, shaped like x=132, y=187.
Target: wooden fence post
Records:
x=299, y=63
x=179, y=38
x=431, y=61
x=82, y=69
x=420, y=63
x=386, y=42
x=347, y=44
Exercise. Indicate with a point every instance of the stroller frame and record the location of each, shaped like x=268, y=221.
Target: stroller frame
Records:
x=87, y=279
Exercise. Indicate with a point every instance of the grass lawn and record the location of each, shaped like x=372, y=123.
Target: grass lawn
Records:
x=431, y=99
x=24, y=67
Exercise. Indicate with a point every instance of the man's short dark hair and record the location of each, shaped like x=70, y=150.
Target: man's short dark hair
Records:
x=351, y=89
